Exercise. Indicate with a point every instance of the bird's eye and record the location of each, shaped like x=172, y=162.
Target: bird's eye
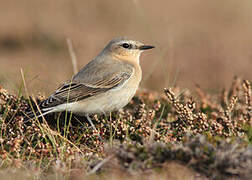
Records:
x=126, y=45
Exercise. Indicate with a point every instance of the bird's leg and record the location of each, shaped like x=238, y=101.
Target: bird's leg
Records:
x=90, y=121
x=92, y=124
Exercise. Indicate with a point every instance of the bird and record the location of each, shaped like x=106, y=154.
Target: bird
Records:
x=107, y=83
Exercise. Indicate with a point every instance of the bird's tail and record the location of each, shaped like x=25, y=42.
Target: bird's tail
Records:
x=33, y=114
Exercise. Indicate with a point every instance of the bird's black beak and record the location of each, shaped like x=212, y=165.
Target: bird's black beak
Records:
x=145, y=47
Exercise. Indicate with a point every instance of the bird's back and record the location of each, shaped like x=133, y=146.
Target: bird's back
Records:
x=100, y=68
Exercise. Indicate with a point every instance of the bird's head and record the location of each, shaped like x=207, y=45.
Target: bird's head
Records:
x=126, y=49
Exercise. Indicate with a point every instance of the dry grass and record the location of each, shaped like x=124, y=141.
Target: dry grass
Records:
x=172, y=135
x=151, y=133
x=194, y=40
x=223, y=117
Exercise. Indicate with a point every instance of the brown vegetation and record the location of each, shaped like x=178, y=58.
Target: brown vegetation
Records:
x=196, y=42
x=201, y=134
x=152, y=132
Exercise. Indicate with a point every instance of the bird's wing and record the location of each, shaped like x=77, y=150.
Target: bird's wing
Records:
x=76, y=91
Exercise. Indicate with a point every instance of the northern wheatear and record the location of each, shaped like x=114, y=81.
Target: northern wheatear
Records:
x=105, y=84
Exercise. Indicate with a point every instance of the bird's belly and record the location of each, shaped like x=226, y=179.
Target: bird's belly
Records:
x=106, y=102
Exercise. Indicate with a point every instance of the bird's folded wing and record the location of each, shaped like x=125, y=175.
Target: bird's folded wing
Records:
x=72, y=91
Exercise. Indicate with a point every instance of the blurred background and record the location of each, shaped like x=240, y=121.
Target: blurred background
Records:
x=197, y=42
